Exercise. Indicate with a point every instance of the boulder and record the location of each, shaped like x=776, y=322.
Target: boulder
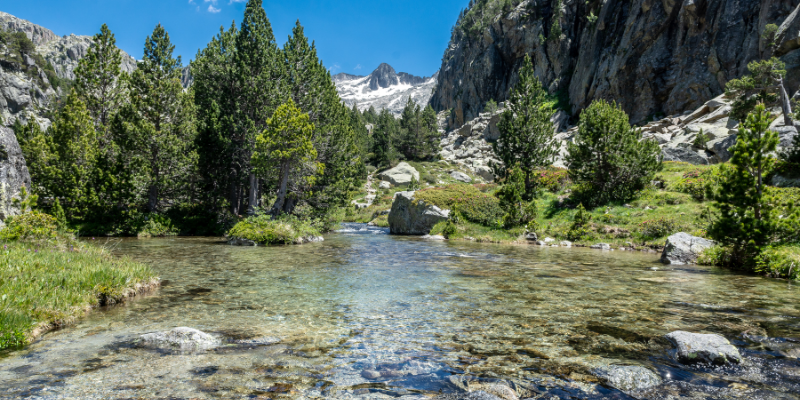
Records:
x=685, y=154
x=565, y=243
x=782, y=181
x=601, y=246
x=13, y=174
x=181, y=338
x=683, y=248
x=628, y=378
x=690, y=348
x=720, y=147
x=460, y=176
x=485, y=172
x=400, y=175
x=384, y=185
x=414, y=217
x=786, y=135
x=235, y=241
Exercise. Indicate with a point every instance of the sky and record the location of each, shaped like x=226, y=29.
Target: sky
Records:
x=352, y=36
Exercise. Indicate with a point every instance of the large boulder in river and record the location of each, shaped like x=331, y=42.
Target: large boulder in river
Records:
x=683, y=248
x=181, y=338
x=13, y=173
x=400, y=175
x=690, y=348
x=414, y=217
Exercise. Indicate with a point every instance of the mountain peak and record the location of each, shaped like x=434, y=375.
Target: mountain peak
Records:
x=383, y=77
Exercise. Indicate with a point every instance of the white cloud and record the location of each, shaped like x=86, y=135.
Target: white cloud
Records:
x=358, y=67
x=210, y=1
x=213, y=9
x=191, y=1
x=334, y=68
x=237, y=1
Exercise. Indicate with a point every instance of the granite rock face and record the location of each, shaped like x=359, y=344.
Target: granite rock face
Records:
x=414, y=217
x=13, y=173
x=650, y=56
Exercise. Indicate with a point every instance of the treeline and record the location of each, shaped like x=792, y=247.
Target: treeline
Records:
x=415, y=136
x=136, y=151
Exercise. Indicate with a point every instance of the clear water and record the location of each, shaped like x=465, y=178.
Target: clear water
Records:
x=421, y=318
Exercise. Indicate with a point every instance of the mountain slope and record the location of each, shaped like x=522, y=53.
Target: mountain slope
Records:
x=652, y=56
x=384, y=88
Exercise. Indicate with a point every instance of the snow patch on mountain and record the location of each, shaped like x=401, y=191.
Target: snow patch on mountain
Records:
x=384, y=88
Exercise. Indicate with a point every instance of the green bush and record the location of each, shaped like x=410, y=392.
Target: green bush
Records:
x=31, y=226
x=657, y=228
x=701, y=140
x=551, y=179
x=156, y=225
x=475, y=206
x=696, y=183
x=266, y=230
x=580, y=225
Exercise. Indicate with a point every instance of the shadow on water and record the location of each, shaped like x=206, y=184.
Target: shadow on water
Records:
x=366, y=315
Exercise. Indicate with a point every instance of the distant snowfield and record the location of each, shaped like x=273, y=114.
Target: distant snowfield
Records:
x=356, y=90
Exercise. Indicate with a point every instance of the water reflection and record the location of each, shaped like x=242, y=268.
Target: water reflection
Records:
x=368, y=315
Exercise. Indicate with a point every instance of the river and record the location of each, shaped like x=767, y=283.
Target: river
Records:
x=368, y=315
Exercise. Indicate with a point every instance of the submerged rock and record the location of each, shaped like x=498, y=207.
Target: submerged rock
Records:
x=234, y=241
x=414, y=217
x=260, y=341
x=479, y=395
x=181, y=338
x=683, y=248
x=693, y=348
x=601, y=246
x=628, y=378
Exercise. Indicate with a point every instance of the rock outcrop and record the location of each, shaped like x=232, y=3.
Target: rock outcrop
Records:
x=653, y=57
x=690, y=348
x=181, y=338
x=683, y=248
x=13, y=173
x=414, y=217
x=628, y=378
x=400, y=175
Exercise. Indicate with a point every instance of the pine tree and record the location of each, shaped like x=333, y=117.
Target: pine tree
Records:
x=162, y=120
x=216, y=92
x=99, y=81
x=385, y=131
x=609, y=159
x=747, y=217
x=526, y=132
x=764, y=85
x=518, y=211
x=259, y=75
x=284, y=147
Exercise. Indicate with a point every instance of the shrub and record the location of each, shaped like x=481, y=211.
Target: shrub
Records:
x=717, y=256
x=266, y=230
x=449, y=229
x=475, y=206
x=609, y=159
x=779, y=262
x=155, y=225
x=551, y=179
x=580, y=224
x=30, y=226
x=657, y=228
x=490, y=107
x=696, y=183
x=701, y=140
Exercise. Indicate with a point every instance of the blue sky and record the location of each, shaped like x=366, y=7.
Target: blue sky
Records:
x=352, y=36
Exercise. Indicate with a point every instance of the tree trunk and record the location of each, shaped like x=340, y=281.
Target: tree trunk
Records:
x=252, y=198
x=234, y=193
x=786, y=106
x=152, y=191
x=278, y=206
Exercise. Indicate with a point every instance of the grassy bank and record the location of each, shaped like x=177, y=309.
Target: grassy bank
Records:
x=263, y=229
x=47, y=279
x=675, y=202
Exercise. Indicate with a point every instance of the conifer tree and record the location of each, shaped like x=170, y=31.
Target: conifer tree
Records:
x=162, y=119
x=386, y=130
x=765, y=84
x=747, y=220
x=518, y=211
x=284, y=146
x=609, y=159
x=216, y=92
x=526, y=132
x=99, y=81
x=259, y=76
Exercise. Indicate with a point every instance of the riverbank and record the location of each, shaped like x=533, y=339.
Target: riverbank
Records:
x=675, y=202
x=45, y=286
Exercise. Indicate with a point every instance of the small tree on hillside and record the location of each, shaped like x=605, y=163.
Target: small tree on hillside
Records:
x=763, y=85
x=285, y=146
x=747, y=220
x=511, y=195
x=526, y=132
x=609, y=159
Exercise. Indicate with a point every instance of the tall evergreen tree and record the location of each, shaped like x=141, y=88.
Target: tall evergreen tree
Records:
x=526, y=132
x=216, y=92
x=99, y=80
x=162, y=119
x=385, y=131
x=260, y=79
x=419, y=135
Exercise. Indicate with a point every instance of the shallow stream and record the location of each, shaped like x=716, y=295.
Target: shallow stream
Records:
x=368, y=315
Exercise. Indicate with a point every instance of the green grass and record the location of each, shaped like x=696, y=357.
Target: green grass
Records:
x=265, y=230
x=47, y=284
x=469, y=201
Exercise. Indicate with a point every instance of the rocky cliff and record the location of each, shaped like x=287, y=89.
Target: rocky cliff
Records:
x=24, y=95
x=13, y=173
x=655, y=57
